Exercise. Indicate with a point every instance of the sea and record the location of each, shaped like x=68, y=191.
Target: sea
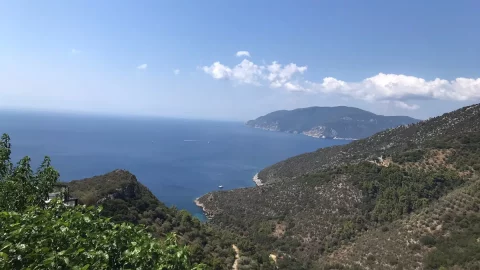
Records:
x=179, y=160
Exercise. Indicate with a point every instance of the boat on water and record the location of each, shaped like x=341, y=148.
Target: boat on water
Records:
x=220, y=187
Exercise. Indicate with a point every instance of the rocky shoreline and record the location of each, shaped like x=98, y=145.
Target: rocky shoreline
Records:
x=210, y=214
x=257, y=180
x=205, y=211
x=305, y=133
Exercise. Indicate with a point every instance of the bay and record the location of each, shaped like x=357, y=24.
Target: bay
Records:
x=177, y=159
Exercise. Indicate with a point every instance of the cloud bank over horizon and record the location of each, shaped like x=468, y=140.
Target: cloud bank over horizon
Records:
x=397, y=89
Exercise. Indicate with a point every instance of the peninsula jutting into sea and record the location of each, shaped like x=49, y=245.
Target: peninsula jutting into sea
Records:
x=340, y=123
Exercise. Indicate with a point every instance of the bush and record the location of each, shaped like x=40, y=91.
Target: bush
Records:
x=19, y=186
x=428, y=240
x=60, y=237
x=415, y=247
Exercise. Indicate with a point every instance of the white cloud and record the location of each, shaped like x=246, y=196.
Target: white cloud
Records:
x=398, y=89
x=280, y=76
x=75, y=51
x=293, y=87
x=403, y=105
x=176, y=71
x=248, y=72
x=245, y=73
x=402, y=87
x=218, y=71
x=243, y=53
x=142, y=67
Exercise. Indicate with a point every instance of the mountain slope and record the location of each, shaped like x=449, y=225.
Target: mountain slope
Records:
x=321, y=122
x=123, y=198
x=332, y=202
x=444, y=234
x=388, y=142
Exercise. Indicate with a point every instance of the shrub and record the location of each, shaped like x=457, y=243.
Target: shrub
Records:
x=428, y=240
x=60, y=237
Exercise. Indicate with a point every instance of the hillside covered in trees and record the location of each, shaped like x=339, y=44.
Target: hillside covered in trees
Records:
x=404, y=198
x=329, y=122
x=119, y=224
x=36, y=233
x=124, y=199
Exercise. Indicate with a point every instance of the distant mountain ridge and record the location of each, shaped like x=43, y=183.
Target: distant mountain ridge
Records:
x=329, y=122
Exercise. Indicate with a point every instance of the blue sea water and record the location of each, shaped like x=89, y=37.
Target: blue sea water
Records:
x=178, y=160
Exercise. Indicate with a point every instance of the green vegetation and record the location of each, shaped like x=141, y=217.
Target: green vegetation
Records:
x=330, y=208
x=343, y=122
x=124, y=199
x=405, y=198
x=60, y=237
x=390, y=192
x=448, y=131
x=19, y=186
x=414, y=155
x=395, y=200
x=39, y=235
x=461, y=249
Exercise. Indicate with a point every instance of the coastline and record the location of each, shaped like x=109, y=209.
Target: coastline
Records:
x=199, y=204
x=304, y=134
x=204, y=209
x=257, y=180
x=209, y=214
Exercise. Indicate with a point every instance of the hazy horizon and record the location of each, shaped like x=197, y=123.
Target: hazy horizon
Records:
x=237, y=61
x=146, y=116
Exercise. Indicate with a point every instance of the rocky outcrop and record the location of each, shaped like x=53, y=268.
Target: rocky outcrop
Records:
x=118, y=184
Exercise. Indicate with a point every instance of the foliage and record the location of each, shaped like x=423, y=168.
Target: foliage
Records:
x=124, y=199
x=438, y=132
x=332, y=197
x=19, y=186
x=60, y=237
x=35, y=234
x=393, y=192
x=460, y=248
x=409, y=156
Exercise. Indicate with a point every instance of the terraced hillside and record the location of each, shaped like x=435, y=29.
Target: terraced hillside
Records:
x=444, y=234
x=321, y=207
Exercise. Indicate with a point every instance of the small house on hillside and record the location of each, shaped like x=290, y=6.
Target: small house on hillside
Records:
x=62, y=191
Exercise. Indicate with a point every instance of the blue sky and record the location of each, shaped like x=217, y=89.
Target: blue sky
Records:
x=179, y=58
